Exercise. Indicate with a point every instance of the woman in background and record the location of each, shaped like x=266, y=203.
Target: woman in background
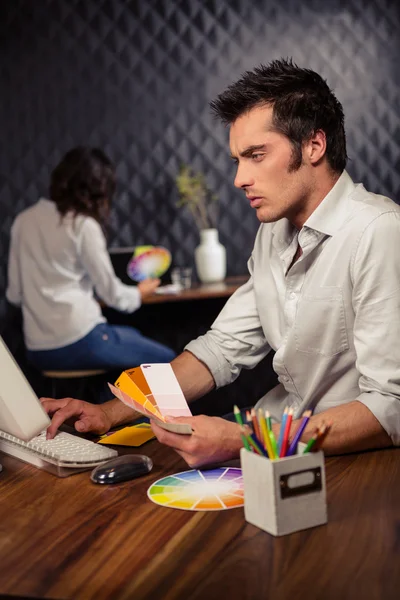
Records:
x=58, y=260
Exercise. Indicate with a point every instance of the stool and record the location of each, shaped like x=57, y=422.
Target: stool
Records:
x=81, y=375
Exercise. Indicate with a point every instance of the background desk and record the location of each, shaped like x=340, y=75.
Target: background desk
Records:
x=182, y=316
x=71, y=539
x=201, y=291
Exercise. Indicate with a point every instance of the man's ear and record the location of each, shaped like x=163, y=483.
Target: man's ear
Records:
x=315, y=147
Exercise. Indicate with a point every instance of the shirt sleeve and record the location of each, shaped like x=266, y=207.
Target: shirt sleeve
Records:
x=14, y=287
x=236, y=339
x=376, y=299
x=97, y=263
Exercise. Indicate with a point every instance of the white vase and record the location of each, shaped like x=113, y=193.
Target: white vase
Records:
x=210, y=257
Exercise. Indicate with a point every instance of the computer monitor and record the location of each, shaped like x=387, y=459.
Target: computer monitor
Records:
x=21, y=413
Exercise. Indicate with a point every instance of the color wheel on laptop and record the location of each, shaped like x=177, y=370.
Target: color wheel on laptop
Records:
x=153, y=262
x=214, y=489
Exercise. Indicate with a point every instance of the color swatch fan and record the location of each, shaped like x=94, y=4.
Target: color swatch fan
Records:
x=153, y=391
x=214, y=489
x=153, y=262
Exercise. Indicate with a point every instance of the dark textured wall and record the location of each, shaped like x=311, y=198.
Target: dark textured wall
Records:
x=135, y=77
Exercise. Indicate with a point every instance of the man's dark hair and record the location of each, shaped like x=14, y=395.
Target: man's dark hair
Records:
x=84, y=183
x=302, y=104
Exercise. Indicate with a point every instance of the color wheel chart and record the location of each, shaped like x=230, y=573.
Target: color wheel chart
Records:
x=150, y=263
x=214, y=489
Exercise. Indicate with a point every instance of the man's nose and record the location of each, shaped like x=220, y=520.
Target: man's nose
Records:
x=243, y=178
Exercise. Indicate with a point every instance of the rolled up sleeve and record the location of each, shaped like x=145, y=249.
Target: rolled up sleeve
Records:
x=235, y=340
x=376, y=298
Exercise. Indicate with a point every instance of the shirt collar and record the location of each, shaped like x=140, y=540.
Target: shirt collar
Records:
x=329, y=215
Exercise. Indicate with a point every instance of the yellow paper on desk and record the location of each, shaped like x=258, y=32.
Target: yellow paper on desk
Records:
x=134, y=435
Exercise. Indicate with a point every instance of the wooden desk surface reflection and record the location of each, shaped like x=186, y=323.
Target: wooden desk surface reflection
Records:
x=201, y=291
x=71, y=539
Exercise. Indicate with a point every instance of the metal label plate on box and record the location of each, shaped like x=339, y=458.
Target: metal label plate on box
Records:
x=288, y=490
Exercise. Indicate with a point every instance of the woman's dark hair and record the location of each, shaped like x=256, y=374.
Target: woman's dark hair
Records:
x=302, y=104
x=84, y=183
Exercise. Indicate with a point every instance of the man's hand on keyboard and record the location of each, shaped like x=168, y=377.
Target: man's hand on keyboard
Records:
x=85, y=416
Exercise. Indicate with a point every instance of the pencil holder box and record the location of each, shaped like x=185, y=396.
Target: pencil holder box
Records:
x=284, y=495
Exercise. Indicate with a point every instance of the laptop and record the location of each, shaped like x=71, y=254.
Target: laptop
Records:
x=120, y=258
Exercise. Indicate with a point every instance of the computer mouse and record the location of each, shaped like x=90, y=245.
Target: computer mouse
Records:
x=122, y=469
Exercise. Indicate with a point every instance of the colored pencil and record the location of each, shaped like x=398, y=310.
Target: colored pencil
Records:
x=310, y=444
x=281, y=430
x=271, y=435
x=263, y=427
x=245, y=436
x=323, y=432
x=238, y=415
x=239, y=421
x=252, y=441
x=249, y=421
x=268, y=419
x=286, y=432
x=256, y=426
x=298, y=433
x=265, y=434
x=274, y=445
x=314, y=443
x=256, y=444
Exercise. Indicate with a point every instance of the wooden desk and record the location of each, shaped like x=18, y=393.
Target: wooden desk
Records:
x=71, y=539
x=201, y=291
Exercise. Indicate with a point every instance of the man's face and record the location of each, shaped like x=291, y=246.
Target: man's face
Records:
x=264, y=170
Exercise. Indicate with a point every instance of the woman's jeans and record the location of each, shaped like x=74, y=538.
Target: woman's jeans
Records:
x=105, y=347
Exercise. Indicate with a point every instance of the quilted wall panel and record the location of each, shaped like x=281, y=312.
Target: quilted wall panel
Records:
x=135, y=77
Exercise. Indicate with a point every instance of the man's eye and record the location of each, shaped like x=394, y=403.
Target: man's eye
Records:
x=257, y=156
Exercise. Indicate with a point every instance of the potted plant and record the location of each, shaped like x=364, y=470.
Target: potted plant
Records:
x=210, y=255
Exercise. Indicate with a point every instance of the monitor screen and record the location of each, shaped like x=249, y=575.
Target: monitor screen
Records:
x=21, y=413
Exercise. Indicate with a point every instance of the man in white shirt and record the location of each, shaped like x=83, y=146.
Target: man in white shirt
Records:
x=324, y=287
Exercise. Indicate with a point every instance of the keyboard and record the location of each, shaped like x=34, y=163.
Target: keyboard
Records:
x=64, y=455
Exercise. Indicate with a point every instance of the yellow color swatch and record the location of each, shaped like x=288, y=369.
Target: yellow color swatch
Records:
x=139, y=379
x=127, y=385
x=134, y=435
